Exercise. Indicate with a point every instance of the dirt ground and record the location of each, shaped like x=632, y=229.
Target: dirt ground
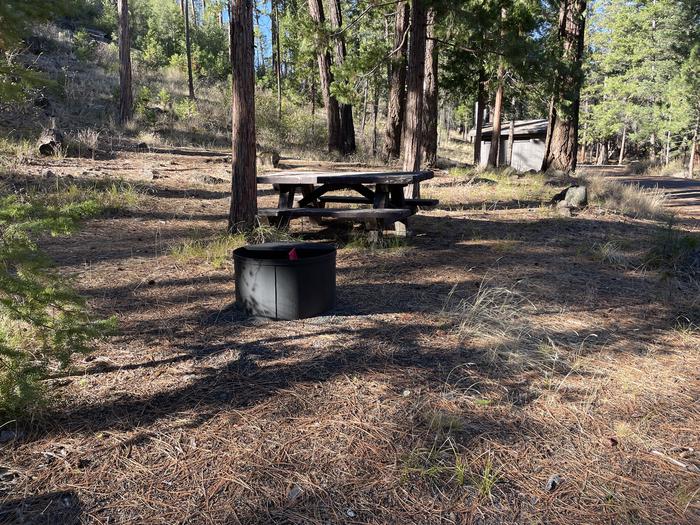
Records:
x=561, y=396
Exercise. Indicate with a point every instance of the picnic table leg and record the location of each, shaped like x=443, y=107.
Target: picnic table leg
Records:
x=381, y=200
x=286, y=201
x=306, y=191
x=398, y=200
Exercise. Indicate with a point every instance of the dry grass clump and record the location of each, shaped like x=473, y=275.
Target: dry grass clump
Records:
x=611, y=253
x=14, y=153
x=655, y=168
x=217, y=251
x=627, y=199
x=71, y=196
x=675, y=251
x=362, y=242
x=86, y=140
x=497, y=316
x=490, y=189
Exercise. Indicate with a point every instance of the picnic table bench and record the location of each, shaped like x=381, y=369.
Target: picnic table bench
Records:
x=384, y=192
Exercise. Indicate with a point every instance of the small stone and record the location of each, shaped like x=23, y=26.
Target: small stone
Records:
x=553, y=483
x=294, y=493
x=572, y=197
x=406, y=393
x=350, y=513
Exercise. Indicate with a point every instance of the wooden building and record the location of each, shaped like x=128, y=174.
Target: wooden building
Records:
x=528, y=144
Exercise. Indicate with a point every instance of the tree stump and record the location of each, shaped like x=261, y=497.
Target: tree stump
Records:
x=50, y=142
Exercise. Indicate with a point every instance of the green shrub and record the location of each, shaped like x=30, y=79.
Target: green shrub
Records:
x=43, y=321
x=84, y=46
x=185, y=109
x=164, y=98
x=143, y=98
x=179, y=62
x=143, y=106
x=298, y=128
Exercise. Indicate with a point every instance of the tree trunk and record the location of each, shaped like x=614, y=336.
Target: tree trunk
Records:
x=347, y=125
x=277, y=53
x=324, y=67
x=623, y=145
x=230, y=47
x=126, y=97
x=364, y=109
x=375, y=113
x=693, y=149
x=511, y=141
x=397, y=85
x=243, y=184
x=188, y=48
x=259, y=56
x=194, y=13
x=495, y=149
x=430, y=94
x=603, y=153
x=313, y=104
x=412, y=138
x=479, y=124
x=668, y=148
x=562, y=133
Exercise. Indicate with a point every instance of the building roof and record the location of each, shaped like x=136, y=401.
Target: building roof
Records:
x=523, y=129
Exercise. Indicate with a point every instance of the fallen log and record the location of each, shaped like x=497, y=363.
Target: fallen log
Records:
x=50, y=142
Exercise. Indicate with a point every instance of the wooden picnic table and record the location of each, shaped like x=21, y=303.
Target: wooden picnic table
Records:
x=390, y=209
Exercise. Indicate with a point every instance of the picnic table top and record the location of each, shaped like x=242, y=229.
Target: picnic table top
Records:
x=319, y=177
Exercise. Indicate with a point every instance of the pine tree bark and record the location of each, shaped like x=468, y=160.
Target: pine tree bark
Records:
x=347, y=125
x=479, y=124
x=324, y=67
x=194, y=14
x=694, y=149
x=276, y=53
x=243, y=185
x=364, y=109
x=511, y=142
x=126, y=97
x=412, y=138
x=562, y=132
x=495, y=148
x=603, y=153
x=375, y=114
x=623, y=145
x=188, y=49
x=397, y=85
x=430, y=94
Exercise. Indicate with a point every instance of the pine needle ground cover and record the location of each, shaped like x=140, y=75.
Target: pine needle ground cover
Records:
x=502, y=366
x=43, y=320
